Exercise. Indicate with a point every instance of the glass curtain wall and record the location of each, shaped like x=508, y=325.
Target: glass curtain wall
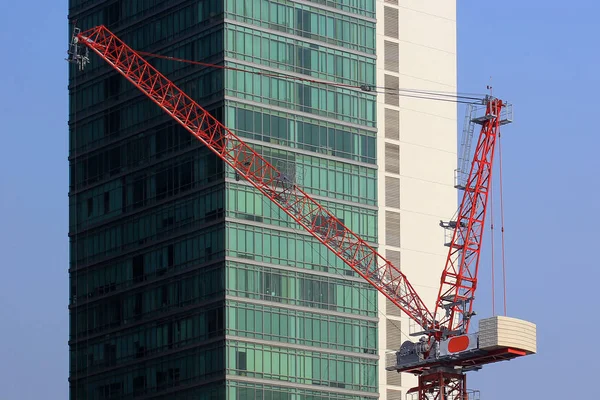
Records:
x=146, y=202
x=300, y=324
x=185, y=283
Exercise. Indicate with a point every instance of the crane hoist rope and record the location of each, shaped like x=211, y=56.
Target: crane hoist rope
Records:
x=465, y=98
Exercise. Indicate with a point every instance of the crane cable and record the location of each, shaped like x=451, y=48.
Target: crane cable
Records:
x=492, y=247
x=501, y=234
x=454, y=97
x=502, y=221
x=463, y=98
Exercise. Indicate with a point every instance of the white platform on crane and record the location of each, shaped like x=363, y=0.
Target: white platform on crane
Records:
x=498, y=332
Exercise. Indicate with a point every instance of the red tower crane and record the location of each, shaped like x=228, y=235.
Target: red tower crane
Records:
x=446, y=351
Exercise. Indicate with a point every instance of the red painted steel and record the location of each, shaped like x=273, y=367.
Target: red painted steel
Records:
x=441, y=386
x=459, y=278
x=458, y=344
x=306, y=211
x=466, y=360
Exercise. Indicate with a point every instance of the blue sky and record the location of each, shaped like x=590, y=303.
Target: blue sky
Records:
x=543, y=57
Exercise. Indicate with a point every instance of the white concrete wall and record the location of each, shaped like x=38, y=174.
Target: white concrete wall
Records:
x=427, y=141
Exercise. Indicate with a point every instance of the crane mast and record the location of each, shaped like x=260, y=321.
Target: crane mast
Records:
x=279, y=188
x=459, y=278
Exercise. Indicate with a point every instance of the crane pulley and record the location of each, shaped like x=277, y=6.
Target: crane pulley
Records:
x=454, y=304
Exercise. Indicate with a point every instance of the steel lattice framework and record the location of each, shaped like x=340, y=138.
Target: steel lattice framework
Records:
x=441, y=386
x=296, y=203
x=459, y=278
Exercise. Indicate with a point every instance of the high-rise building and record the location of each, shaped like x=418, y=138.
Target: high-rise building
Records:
x=416, y=153
x=185, y=282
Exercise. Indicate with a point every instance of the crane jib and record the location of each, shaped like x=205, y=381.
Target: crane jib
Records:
x=306, y=211
x=459, y=278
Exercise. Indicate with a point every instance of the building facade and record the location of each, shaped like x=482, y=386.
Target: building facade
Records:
x=185, y=282
x=416, y=152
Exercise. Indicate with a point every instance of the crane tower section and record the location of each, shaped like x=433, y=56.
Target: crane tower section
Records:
x=454, y=306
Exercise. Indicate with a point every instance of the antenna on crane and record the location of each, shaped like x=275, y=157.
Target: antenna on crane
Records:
x=78, y=53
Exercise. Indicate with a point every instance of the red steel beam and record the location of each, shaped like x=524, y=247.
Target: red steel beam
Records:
x=459, y=278
x=296, y=203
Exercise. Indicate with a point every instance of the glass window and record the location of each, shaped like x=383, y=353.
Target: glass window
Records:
x=303, y=20
x=311, y=371
x=156, y=376
x=311, y=174
x=290, y=95
x=94, y=318
x=151, y=338
x=295, y=55
x=302, y=289
x=151, y=224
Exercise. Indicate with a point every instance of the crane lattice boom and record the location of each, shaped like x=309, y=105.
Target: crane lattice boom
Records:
x=440, y=360
x=296, y=203
x=459, y=278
